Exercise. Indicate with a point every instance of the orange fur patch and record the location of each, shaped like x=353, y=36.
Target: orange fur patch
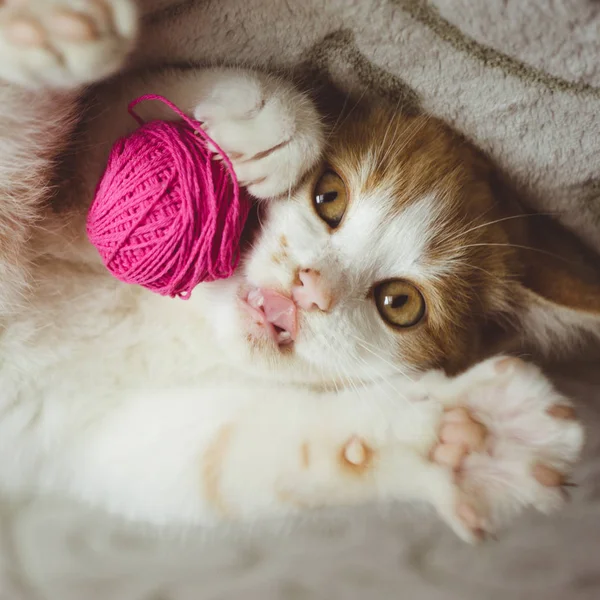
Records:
x=212, y=466
x=305, y=455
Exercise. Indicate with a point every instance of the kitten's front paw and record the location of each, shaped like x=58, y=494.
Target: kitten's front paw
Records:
x=271, y=132
x=510, y=441
x=64, y=43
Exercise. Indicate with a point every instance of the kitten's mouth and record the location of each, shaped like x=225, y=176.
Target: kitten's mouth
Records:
x=275, y=313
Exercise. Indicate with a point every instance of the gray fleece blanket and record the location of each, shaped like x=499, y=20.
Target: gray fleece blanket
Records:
x=522, y=79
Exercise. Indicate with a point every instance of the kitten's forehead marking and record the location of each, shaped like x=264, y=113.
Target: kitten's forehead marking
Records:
x=387, y=239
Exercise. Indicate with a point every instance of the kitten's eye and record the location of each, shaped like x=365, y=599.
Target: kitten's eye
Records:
x=399, y=303
x=330, y=198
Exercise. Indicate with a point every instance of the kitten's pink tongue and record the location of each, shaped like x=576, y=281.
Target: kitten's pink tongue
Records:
x=278, y=310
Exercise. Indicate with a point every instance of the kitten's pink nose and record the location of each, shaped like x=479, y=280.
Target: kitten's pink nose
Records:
x=312, y=292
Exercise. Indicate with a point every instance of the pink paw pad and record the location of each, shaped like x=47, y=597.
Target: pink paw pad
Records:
x=460, y=434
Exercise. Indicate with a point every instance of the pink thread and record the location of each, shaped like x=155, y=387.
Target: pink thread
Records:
x=166, y=215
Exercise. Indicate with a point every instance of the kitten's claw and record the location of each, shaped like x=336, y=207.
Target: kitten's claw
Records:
x=471, y=519
x=547, y=476
x=64, y=43
x=510, y=444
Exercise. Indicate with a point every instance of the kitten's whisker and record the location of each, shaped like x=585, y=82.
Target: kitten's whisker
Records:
x=365, y=345
x=382, y=375
x=521, y=216
x=347, y=116
x=337, y=120
x=401, y=143
x=385, y=135
x=352, y=384
x=540, y=251
x=402, y=395
x=345, y=378
x=337, y=366
x=449, y=238
x=449, y=235
x=462, y=261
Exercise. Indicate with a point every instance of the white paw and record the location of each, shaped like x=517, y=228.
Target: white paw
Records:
x=271, y=132
x=64, y=43
x=511, y=440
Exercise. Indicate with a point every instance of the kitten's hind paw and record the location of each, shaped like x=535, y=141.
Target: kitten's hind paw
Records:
x=510, y=442
x=64, y=43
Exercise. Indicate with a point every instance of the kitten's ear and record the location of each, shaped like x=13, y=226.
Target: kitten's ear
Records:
x=558, y=294
x=555, y=293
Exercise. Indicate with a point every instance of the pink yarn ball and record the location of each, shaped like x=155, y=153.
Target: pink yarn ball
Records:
x=166, y=215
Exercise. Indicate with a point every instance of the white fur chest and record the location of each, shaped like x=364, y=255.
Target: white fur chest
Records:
x=89, y=331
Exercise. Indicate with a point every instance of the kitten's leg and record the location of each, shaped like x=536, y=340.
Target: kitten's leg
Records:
x=33, y=130
x=220, y=453
x=44, y=44
x=200, y=456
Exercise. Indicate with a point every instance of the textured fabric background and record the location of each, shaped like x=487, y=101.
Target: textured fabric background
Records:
x=522, y=79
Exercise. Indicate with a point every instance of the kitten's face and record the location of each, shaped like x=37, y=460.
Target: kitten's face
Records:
x=386, y=252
